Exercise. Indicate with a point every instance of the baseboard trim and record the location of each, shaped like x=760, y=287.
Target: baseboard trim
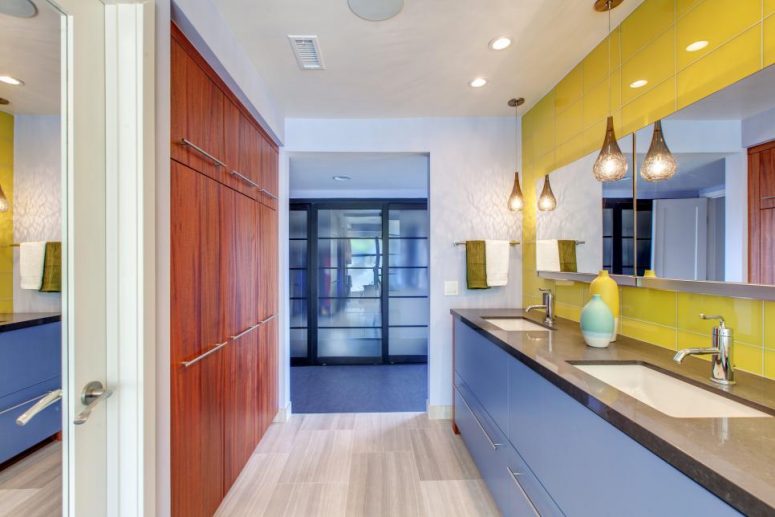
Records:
x=439, y=412
x=283, y=414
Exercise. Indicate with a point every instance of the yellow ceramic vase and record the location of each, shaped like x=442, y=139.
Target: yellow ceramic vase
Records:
x=608, y=290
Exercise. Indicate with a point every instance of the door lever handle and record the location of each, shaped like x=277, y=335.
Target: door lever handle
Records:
x=44, y=402
x=92, y=394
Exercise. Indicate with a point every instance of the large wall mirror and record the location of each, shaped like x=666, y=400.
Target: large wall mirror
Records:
x=704, y=224
x=713, y=219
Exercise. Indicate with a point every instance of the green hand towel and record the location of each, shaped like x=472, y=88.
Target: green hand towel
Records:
x=567, y=250
x=476, y=265
x=52, y=268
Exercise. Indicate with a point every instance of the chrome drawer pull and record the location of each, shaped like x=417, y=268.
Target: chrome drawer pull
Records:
x=246, y=331
x=198, y=358
x=492, y=443
x=201, y=151
x=270, y=318
x=263, y=190
x=519, y=486
x=42, y=403
x=245, y=179
x=767, y=197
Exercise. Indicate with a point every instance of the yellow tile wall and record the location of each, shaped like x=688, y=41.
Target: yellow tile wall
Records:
x=569, y=121
x=6, y=218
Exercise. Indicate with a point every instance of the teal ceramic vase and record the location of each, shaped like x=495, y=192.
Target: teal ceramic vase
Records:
x=597, y=323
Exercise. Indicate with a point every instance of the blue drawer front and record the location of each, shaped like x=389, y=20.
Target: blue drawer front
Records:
x=29, y=356
x=588, y=466
x=16, y=439
x=484, y=368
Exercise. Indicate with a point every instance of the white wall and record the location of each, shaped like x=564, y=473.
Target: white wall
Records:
x=759, y=129
x=37, y=205
x=471, y=172
x=736, y=213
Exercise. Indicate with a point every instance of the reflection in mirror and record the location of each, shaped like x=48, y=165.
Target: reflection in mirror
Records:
x=592, y=226
x=695, y=225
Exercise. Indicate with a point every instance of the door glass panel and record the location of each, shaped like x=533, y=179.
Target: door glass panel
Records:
x=349, y=223
x=350, y=253
x=409, y=282
x=349, y=342
x=298, y=342
x=408, y=252
x=408, y=311
x=349, y=312
x=298, y=283
x=297, y=253
x=297, y=224
x=408, y=223
x=409, y=341
x=298, y=313
x=354, y=283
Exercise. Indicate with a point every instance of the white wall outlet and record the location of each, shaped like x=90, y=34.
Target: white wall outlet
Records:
x=451, y=288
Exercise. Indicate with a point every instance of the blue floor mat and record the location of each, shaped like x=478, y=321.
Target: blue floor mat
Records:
x=359, y=388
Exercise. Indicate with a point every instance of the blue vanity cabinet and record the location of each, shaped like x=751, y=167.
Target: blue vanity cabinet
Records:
x=30, y=367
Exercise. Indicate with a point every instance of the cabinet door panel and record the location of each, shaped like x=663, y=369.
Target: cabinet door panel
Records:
x=268, y=359
x=267, y=242
x=269, y=172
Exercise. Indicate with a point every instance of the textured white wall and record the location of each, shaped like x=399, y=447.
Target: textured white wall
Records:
x=37, y=205
x=471, y=172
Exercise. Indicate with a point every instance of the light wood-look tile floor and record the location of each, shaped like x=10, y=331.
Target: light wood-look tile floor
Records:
x=359, y=464
x=32, y=487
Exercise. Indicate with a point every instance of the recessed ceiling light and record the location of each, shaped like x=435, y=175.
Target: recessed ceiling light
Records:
x=478, y=82
x=341, y=178
x=7, y=79
x=500, y=43
x=640, y=83
x=697, y=45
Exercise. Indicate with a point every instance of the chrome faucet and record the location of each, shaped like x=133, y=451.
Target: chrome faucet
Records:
x=722, y=370
x=548, y=306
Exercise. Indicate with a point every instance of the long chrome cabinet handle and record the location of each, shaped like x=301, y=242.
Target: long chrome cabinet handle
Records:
x=263, y=190
x=245, y=179
x=492, y=443
x=201, y=151
x=767, y=197
x=44, y=402
x=270, y=318
x=198, y=358
x=519, y=486
x=93, y=393
x=246, y=331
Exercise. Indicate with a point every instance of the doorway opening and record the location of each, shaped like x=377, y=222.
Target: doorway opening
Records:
x=359, y=282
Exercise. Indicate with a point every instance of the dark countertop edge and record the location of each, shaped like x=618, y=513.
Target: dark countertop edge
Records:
x=723, y=488
x=26, y=320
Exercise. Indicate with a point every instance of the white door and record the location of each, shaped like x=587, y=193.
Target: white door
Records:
x=105, y=166
x=680, y=238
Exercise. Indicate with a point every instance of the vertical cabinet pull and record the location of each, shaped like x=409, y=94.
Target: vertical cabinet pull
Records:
x=192, y=145
x=522, y=490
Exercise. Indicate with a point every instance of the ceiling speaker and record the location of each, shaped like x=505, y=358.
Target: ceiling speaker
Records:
x=376, y=10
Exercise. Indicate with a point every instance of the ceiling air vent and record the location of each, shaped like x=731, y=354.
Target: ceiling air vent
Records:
x=307, y=52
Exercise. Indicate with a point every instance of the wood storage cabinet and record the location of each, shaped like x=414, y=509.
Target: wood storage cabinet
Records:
x=223, y=332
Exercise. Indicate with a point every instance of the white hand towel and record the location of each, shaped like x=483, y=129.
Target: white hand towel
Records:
x=31, y=256
x=497, y=253
x=548, y=255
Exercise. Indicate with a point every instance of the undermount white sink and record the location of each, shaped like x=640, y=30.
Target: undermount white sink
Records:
x=515, y=324
x=668, y=394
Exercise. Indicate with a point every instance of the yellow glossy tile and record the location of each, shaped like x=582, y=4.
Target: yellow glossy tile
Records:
x=569, y=122
x=769, y=325
x=571, y=150
x=6, y=285
x=545, y=164
x=645, y=24
x=6, y=306
x=596, y=64
x=714, y=21
x=683, y=6
x=650, y=305
x=748, y=358
x=648, y=108
x=769, y=7
x=739, y=58
x=654, y=63
x=649, y=332
x=569, y=312
x=742, y=315
x=569, y=89
x=571, y=293
x=769, y=364
x=768, y=33
x=601, y=99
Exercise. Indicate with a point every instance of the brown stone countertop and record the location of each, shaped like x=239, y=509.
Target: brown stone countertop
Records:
x=732, y=457
x=21, y=320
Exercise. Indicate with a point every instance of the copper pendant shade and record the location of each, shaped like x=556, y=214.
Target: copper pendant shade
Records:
x=611, y=165
x=546, y=201
x=4, y=205
x=659, y=164
x=516, y=201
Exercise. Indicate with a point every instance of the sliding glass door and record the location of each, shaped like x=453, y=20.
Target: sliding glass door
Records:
x=359, y=282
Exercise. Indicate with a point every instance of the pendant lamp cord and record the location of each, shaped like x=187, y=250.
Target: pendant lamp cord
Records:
x=516, y=136
x=610, y=43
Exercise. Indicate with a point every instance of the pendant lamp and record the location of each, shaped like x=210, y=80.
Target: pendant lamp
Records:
x=659, y=164
x=516, y=201
x=546, y=201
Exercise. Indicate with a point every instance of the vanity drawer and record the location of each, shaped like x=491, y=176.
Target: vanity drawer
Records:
x=29, y=356
x=16, y=439
x=484, y=368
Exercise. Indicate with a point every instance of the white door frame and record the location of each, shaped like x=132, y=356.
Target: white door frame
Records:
x=129, y=196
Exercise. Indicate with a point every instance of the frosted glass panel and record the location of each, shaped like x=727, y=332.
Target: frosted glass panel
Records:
x=349, y=223
x=408, y=252
x=409, y=282
x=408, y=223
x=350, y=252
x=349, y=342
x=355, y=283
x=298, y=342
x=408, y=311
x=350, y=312
x=409, y=341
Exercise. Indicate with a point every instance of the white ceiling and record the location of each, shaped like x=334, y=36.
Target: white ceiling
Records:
x=696, y=172
x=420, y=62
x=376, y=175
x=29, y=50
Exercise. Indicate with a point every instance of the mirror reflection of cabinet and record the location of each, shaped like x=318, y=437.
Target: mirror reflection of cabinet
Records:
x=761, y=213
